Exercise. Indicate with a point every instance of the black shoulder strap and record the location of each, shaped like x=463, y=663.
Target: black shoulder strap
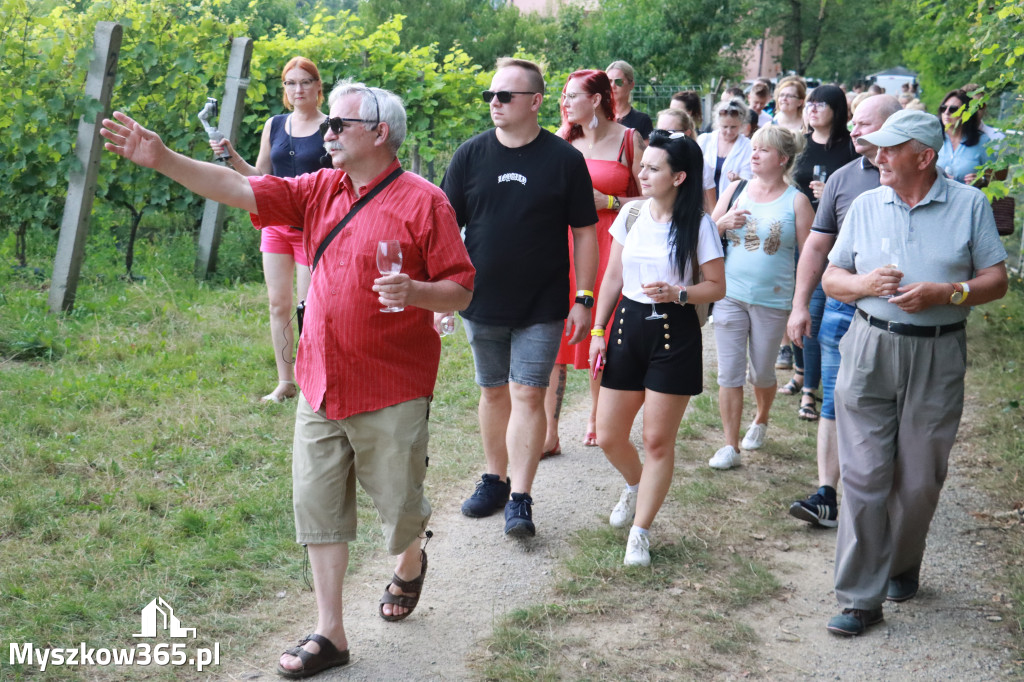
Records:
x=736, y=193
x=363, y=200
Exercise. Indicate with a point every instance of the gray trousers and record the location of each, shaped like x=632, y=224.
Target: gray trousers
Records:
x=898, y=406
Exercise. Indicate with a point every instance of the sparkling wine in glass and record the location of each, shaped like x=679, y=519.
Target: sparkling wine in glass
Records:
x=389, y=262
x=648, y=274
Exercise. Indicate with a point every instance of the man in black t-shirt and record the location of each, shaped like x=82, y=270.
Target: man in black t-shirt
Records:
x=515, y=189
x=621, y=75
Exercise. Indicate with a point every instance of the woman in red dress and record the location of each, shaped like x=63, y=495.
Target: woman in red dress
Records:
x=613, y=154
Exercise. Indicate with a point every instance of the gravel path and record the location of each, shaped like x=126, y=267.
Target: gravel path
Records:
x=951, y=631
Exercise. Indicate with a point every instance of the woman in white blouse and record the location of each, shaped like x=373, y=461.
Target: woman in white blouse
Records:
x=652, y=351
x=725, y=149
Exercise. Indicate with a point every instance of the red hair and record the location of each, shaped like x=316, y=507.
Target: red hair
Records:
x=310, y=68
x=594, y=82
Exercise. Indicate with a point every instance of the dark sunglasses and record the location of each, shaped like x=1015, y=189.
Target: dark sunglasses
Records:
x=337, y=124
x=504, y=96
x=666, y=134
x=949, y=109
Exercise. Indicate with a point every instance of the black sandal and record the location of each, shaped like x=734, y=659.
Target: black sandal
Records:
x=312, y=664
x=809, y=413
x=794, y=386
x=412, y=588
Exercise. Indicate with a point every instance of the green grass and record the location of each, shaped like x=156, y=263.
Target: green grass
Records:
x=137, y=462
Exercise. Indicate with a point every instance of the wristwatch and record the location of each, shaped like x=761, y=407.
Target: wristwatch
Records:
x=585, y=298
x=682, y=295
x=960, y=293
x=616, y=204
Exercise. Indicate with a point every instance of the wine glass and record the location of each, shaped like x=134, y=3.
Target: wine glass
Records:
x=891, y=255
x=446, y=325
x=649, y=273
x=820, y=174
x=389, y=262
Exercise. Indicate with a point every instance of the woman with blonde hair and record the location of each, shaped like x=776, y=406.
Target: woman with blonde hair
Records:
x=763, y=225
x=790, y=94
x=291, y=145
x=724, y=148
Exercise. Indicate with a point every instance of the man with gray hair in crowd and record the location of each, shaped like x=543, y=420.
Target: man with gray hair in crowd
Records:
x=913, y=256
x=366, y=375
x=846, y=184
x=623, y=81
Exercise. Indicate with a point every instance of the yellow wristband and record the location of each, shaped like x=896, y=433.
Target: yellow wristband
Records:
x=584, y=292
x=597, y=332
x=611, y=202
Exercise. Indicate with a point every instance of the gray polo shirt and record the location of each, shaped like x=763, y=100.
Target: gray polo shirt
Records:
x=845, y=185
x=947, y=237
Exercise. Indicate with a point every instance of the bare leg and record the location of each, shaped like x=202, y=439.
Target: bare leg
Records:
x=828, y=453
x=764, y=397
x=595, y=389
x=730, y=407
x=278, y=271
x=494, y=412
x=662, y=415
x=553, y=406
x=329, y=563
x=615, y=414
x=408, y=568
x=525, y=434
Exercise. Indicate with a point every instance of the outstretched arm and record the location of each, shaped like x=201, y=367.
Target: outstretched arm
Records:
x=127, y=138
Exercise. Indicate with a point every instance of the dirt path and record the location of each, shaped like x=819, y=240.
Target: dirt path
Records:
x=951, y=631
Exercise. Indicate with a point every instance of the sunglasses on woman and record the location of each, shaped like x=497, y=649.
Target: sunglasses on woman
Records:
x=667, y=134
x=949, y=109
x=504, y=96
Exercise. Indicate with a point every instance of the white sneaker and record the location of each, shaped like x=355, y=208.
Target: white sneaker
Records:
x=755, y=437
x=623, y=513
x=727, y=457
x=638, y=549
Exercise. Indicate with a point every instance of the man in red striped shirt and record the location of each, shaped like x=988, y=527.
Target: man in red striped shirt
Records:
x=366, y=376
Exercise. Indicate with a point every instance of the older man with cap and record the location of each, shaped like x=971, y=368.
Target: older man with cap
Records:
x=913, y=256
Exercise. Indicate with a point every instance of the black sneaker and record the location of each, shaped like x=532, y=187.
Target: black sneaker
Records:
x=490, y=495
x=519, y=517
x=820, y=509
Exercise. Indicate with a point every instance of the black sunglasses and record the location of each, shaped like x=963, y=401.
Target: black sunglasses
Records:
x=337, y=124
x=504, y=96
x=950, y=109
x=666, y=134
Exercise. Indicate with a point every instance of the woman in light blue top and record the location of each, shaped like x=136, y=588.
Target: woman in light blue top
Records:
x=965, y=147
x=763, y=227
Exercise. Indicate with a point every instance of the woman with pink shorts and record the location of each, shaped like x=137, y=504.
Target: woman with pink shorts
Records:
x=291, y=145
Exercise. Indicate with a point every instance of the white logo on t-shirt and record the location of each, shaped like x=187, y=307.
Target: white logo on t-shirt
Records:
x=512, y=177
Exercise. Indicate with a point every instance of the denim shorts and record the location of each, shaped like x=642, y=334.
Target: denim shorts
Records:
x=834, y=323
x=525, y=355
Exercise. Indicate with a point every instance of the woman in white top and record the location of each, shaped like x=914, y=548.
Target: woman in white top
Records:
x=790, y=94
x=652, y=352
x=677, y=120
x=763, y=227
x=724, y=148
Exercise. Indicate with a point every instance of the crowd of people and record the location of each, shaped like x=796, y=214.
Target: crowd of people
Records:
x=866, y=241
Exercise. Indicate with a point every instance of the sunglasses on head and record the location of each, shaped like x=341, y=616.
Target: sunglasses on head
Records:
x=666, y=134
x=504, y=96
x=337, y=124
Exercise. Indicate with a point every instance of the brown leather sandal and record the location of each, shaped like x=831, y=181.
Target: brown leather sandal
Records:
x=327, y=657
x=412, y=588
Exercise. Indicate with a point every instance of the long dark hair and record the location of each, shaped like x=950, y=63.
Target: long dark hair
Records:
x=688, y=208
x=835, y=98
x=970, y=128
